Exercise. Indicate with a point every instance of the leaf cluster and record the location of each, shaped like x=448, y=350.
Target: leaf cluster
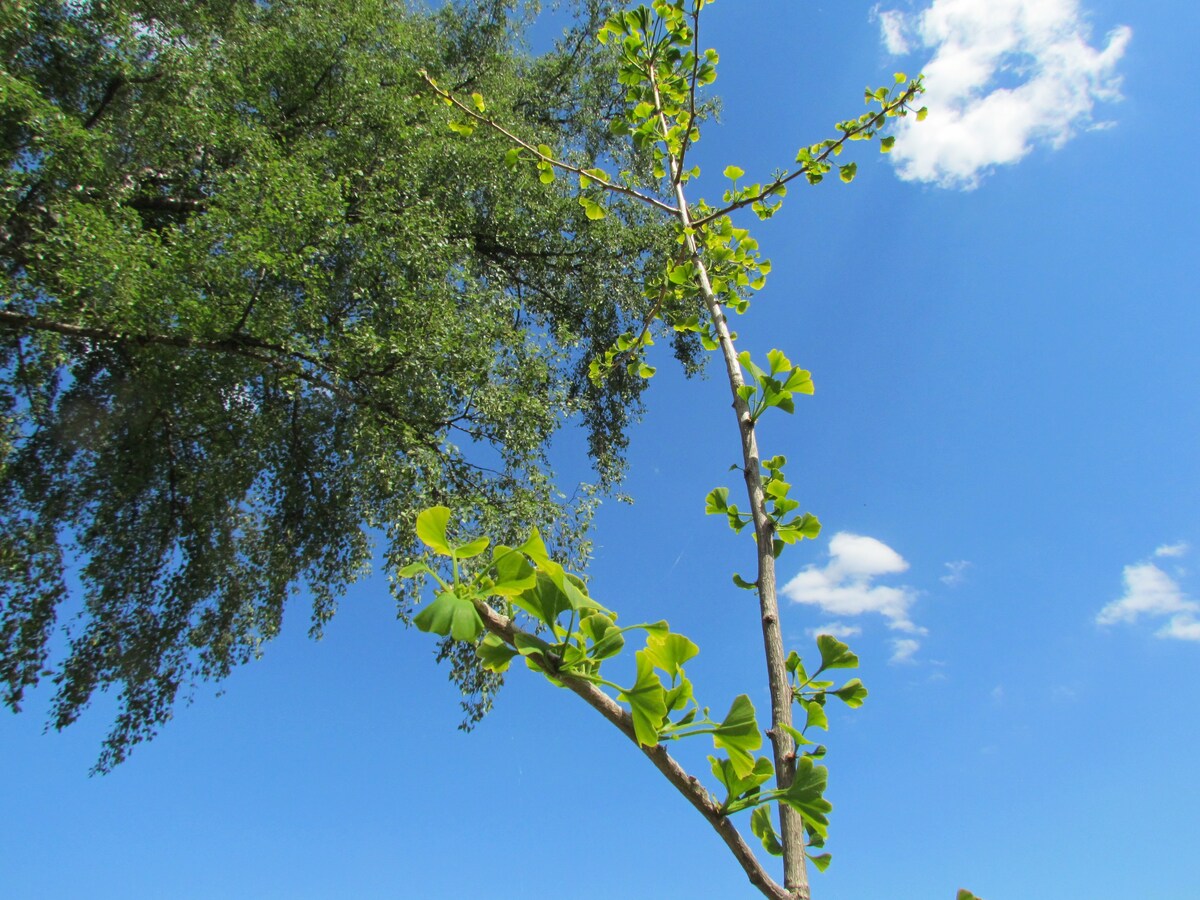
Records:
x=576, y=635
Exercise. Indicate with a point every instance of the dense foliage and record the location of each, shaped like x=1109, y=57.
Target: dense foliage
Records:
x=258, y=307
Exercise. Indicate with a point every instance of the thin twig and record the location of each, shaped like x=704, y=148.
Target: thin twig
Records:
x=542, y=157
x=832, y=149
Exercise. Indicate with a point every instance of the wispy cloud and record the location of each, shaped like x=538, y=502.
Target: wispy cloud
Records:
x=903, y=649
x=845, y=586
x=1153, y=594
x=957, y=573
x=893, y=27
x=1005, y=76
x=838, y=630
x=1179, y=549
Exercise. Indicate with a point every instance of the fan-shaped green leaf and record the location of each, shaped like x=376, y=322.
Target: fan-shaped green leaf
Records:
x=431, y=529
x=450, y=614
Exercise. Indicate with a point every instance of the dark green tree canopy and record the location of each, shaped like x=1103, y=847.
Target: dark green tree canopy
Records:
x=256, y=309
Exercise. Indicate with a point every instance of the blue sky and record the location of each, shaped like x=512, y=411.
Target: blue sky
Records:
x=1001, y=319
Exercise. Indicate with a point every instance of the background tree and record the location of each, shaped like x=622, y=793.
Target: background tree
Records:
x=257, y=312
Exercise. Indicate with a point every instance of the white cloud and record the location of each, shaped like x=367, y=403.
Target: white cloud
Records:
x=957, y=574
x=1005, y=76
x=845, y=585
x=1185, y=628
x=893, y=26
x=838, y=630
x=1178, y=549
x=1150, y=592
x=903, y=650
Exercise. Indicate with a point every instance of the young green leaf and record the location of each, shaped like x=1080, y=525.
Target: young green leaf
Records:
x=738, y=735
x=514, y=574
x=733, y=173
x=607, y=639
x=680, y=696
x=592, y=209
x=431, y=529
x=816, y=715
x=764, y=830
x=494, y=655
x=835, y=654
x=670, y=651
x=852, y=693
x=716, y=501
x=806, y=795
x=450, y=614
x=647, y=701
x=471, y=549
x=546, y=601
x=795, y=666
x=820, y=860
x=742, y=788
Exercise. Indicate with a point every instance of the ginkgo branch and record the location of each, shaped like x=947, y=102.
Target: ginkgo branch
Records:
x=687, y=785
x=590, y=174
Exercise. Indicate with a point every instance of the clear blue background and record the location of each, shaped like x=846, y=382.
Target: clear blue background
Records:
x=1005, y=376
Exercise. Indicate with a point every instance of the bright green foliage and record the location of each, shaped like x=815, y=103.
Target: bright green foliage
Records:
x=738, y=735
x=764, y=830
x=741, y=787
x=253, y=317
x=787, y=526
x=450, y=614
x=581, y=635
x=647, y=701
x=774, y=387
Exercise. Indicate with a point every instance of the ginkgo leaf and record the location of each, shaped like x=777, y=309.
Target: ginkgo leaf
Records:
x=431, y=529
x=739, y=736
x=450, y=615
x=670, y=651
x=647, y=701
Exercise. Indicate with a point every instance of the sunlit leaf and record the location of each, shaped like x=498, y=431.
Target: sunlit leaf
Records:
x=431, y=529
x=670, y=651
x=806, y=795
x=716, y=501
x=450, y=614
x=494, y=655
x=471, y=549
x=764, y=830
x=835, y=654
x=739, y=736
x=852, y=693
x=647, y=701
x=820, y=860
